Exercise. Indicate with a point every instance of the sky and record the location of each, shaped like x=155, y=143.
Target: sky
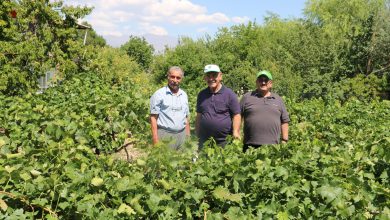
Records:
x=162, y=22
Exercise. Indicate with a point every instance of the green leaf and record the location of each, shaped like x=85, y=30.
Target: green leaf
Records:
x=25, y=176
x=40, y=201
x=50, y=217
x=3, y=141
x=141, y=162
x=197, y=195
x=123, y=208
x=9, y=169
x=369, y=175
x=63, y=205
x=164, y=184
x=134, y=202
x=329, y=193
x=122, y=184
x=282, y=216
x=224, y=194
x=281, y=172
x=384, y=176
x=35, y=172
x=13, y=156
x=97, y=181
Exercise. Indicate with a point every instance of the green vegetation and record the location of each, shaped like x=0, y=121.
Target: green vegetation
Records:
x=139, y=50
x=333, y=167
x=40, y=37
x=56, y=148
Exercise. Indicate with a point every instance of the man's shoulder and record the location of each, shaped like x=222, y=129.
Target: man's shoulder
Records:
x=160, y=91
x=204, y=91
x=183, y=92
x=248, y=96
x=276, y=95
x=250, y=93
x=228, y=91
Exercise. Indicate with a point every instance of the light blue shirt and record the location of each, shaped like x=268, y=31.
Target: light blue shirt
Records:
x=172, y=109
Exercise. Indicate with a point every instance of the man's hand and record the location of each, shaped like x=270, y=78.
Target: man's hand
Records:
x=236, y=126
x=236, y=135
x=155, y=140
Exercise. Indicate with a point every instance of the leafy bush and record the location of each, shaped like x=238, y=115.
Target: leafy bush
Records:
x=334, y=166
x=39, y=38
x=139, y=50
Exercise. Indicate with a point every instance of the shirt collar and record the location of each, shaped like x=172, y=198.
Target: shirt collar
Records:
x=219, y=91
x=256, y=93
x=168, y=91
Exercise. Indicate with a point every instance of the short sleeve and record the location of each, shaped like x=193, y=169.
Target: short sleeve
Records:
x=284, y=117
x=155, y=102
x=187, y=105
x=242, y=103
x=198, y=110
x=234, y=105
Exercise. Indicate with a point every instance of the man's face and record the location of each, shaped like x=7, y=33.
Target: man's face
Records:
x=263, y=84
x=174, y=79
x=213, y=79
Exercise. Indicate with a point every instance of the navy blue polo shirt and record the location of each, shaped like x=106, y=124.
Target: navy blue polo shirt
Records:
x=216, y=110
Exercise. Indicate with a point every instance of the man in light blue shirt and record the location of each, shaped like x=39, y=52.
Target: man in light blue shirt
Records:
x=169, y=111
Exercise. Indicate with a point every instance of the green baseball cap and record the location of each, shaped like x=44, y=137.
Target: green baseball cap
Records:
x=264, y=73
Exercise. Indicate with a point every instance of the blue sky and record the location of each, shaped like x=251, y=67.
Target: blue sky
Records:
x=163, y=21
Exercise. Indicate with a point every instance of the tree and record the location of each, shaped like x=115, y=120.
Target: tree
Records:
x=140, y=50
x=358, y=33
x=36, y=36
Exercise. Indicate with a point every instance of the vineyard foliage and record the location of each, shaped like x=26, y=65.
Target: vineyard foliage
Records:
x=38, y=36
x=57, y=147
x=332, y=167
x=86, y=110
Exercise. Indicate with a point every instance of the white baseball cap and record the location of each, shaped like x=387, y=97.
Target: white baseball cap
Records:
x=211, y=68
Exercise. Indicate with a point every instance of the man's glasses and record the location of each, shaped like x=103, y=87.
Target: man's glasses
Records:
x=261, y=79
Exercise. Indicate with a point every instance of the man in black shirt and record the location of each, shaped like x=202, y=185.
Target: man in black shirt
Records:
x=264, y=114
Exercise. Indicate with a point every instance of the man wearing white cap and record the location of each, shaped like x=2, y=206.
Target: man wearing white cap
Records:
x=218, y=109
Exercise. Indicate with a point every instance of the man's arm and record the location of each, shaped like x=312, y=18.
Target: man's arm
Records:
x=188, y=131
x=153, y=124
x=197, y=124
x=236, y=125
x=284, y=132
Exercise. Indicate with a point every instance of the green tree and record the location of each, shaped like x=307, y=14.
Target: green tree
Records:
x=140, y=50
x=36, y=36
x=357, y=31
x=191, y=55
x=113, y=65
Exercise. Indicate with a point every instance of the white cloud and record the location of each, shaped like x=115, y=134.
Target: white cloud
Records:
x=134, y=17
x=216, y=18
x=202, y=30
x=240, y=20
x=170, y=8
x=112, y=33
x=153, y=29
x=102, y=23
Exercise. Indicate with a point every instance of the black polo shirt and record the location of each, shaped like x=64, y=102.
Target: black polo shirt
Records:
x=216, y=110
x=263, y=117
